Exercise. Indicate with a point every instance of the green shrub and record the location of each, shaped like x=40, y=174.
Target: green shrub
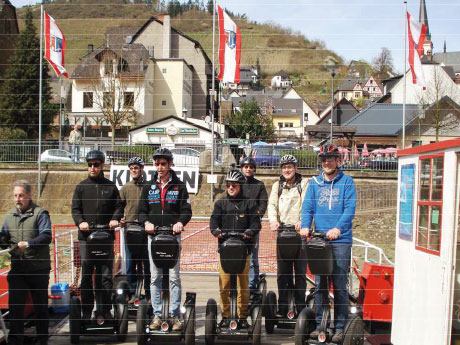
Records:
x=305, y=158
x=143, y=151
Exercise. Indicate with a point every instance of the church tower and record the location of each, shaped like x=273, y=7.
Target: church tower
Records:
x=423, y=18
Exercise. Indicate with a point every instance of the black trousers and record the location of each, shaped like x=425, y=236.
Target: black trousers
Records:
x=20, y=284
x=103, y=282
x=292, y=276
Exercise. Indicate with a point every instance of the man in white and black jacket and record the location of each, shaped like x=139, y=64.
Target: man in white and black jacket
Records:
x=164, y=202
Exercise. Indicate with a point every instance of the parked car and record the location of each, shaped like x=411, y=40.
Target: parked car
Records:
x=269, y=155
x=56, y=156
x=184, y=156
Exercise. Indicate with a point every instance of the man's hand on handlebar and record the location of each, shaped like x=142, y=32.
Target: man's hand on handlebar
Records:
x=304, y=232
x=113, y=224
x=297, y=225
x=84, y=226
x=122, y=222
x=333, y=234
x=274, y=226
x=149, y=228
x=178, y=228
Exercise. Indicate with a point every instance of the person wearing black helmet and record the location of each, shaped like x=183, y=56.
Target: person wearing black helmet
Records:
x=254, y=189
x=165, y=202
x=136, y=263
x=331, y=202
x=284, y=207
x=235, y=212
x=96, y=201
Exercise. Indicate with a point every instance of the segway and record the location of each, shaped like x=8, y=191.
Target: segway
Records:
x=289, y=244
x=136, y=241
x=320, y=259
x=100, y=245
x=233, y=257
x=165, y=252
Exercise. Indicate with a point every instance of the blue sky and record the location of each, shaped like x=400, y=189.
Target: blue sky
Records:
x=355, y=29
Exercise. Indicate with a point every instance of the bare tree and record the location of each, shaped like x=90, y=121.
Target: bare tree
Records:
x=431, y=100
x=383, y=63
x=117, y=93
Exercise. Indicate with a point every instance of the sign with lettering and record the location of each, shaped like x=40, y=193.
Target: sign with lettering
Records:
x=156, y=130
x=188, y=130
x=119, y=174
x=235, y=141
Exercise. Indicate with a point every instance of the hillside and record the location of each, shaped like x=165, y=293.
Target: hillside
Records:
x=273, y=47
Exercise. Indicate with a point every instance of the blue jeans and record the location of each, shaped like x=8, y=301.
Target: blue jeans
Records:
x=342, y=256
x=174, y=285
x=254, y=265
x=75, y=153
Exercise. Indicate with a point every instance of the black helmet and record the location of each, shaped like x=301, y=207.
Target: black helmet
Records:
x=329, y=150
x=248, y=161
x=234, y=175
x=163, y=152
x=136, y=160
x=95, y=155
x=288, y=159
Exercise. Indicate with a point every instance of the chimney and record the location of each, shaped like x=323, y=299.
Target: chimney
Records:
x=445, y=47
x=167, y=37
x=151, y=52
x=90, y=48
x=128, y=39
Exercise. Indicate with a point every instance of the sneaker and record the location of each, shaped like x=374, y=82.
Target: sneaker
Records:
x=243, y=324
x=155, y=324
x=132, y=300
x=337, y=337
x=314, y=334
x=176, y=324
x=224, y=323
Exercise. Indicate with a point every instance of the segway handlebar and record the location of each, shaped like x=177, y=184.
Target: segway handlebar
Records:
x=287, y=227
x=132, y=222
x=228, y=234
x=96, y=227
x=168, y=230
x=318, y=234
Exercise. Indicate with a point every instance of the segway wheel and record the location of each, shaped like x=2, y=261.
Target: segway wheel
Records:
x=270, y=310
x=211, y=322
x=75, y=320
x=257, y=325
x=305, y=324
x=354, y=332
x=263, y=290
x=121, y=317
x=190, y=328
x=142, y=322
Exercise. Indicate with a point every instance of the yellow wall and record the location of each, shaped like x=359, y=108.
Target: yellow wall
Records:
x=293, y=119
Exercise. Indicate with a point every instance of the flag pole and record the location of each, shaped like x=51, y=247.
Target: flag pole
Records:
x=60, y=111
x=213, y=92
x=40, y=106
x=405, y=74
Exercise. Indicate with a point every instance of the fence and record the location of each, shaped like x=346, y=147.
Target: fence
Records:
x=120, y=152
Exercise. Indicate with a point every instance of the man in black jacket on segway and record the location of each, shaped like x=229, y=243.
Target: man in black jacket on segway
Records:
x=254, y=189
x=164, y=202
x=235, y=213
x=96, y=201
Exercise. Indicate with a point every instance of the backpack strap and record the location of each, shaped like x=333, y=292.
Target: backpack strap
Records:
x=281, y=186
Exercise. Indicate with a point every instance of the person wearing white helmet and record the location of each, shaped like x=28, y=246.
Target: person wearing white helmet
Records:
x=284, y=206
x=235, y=213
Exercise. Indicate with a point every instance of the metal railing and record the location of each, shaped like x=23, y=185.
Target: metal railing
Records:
x=120, y=152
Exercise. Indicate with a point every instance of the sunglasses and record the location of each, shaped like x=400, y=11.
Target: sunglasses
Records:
x=233, y=185
x=96, y=165
x=163, y=164
x=327, y=159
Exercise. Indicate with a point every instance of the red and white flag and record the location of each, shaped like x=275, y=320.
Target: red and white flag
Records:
x=54, y=46
x=416, y=35
x=229, y=48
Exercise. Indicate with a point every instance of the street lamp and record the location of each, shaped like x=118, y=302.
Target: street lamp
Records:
x=184, y=113
x=332, y=102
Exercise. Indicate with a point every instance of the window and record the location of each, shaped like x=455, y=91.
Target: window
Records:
x=108, y=101
x=416, y=143
x=344, y=94
x=129, y=99
x=429, y=204
x=87, y=99
x=108, y=67
x=356, y=94
x=164, y=70
x=280, y=125
x=288, y=124
x=163, y=102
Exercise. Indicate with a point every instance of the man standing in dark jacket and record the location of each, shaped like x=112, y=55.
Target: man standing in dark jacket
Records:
x=96, y=201
x=27, y=231
x=235, y=213
x=254, y=189
x=164, y=202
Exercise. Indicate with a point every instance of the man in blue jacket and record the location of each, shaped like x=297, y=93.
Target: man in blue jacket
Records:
x=331, y=201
